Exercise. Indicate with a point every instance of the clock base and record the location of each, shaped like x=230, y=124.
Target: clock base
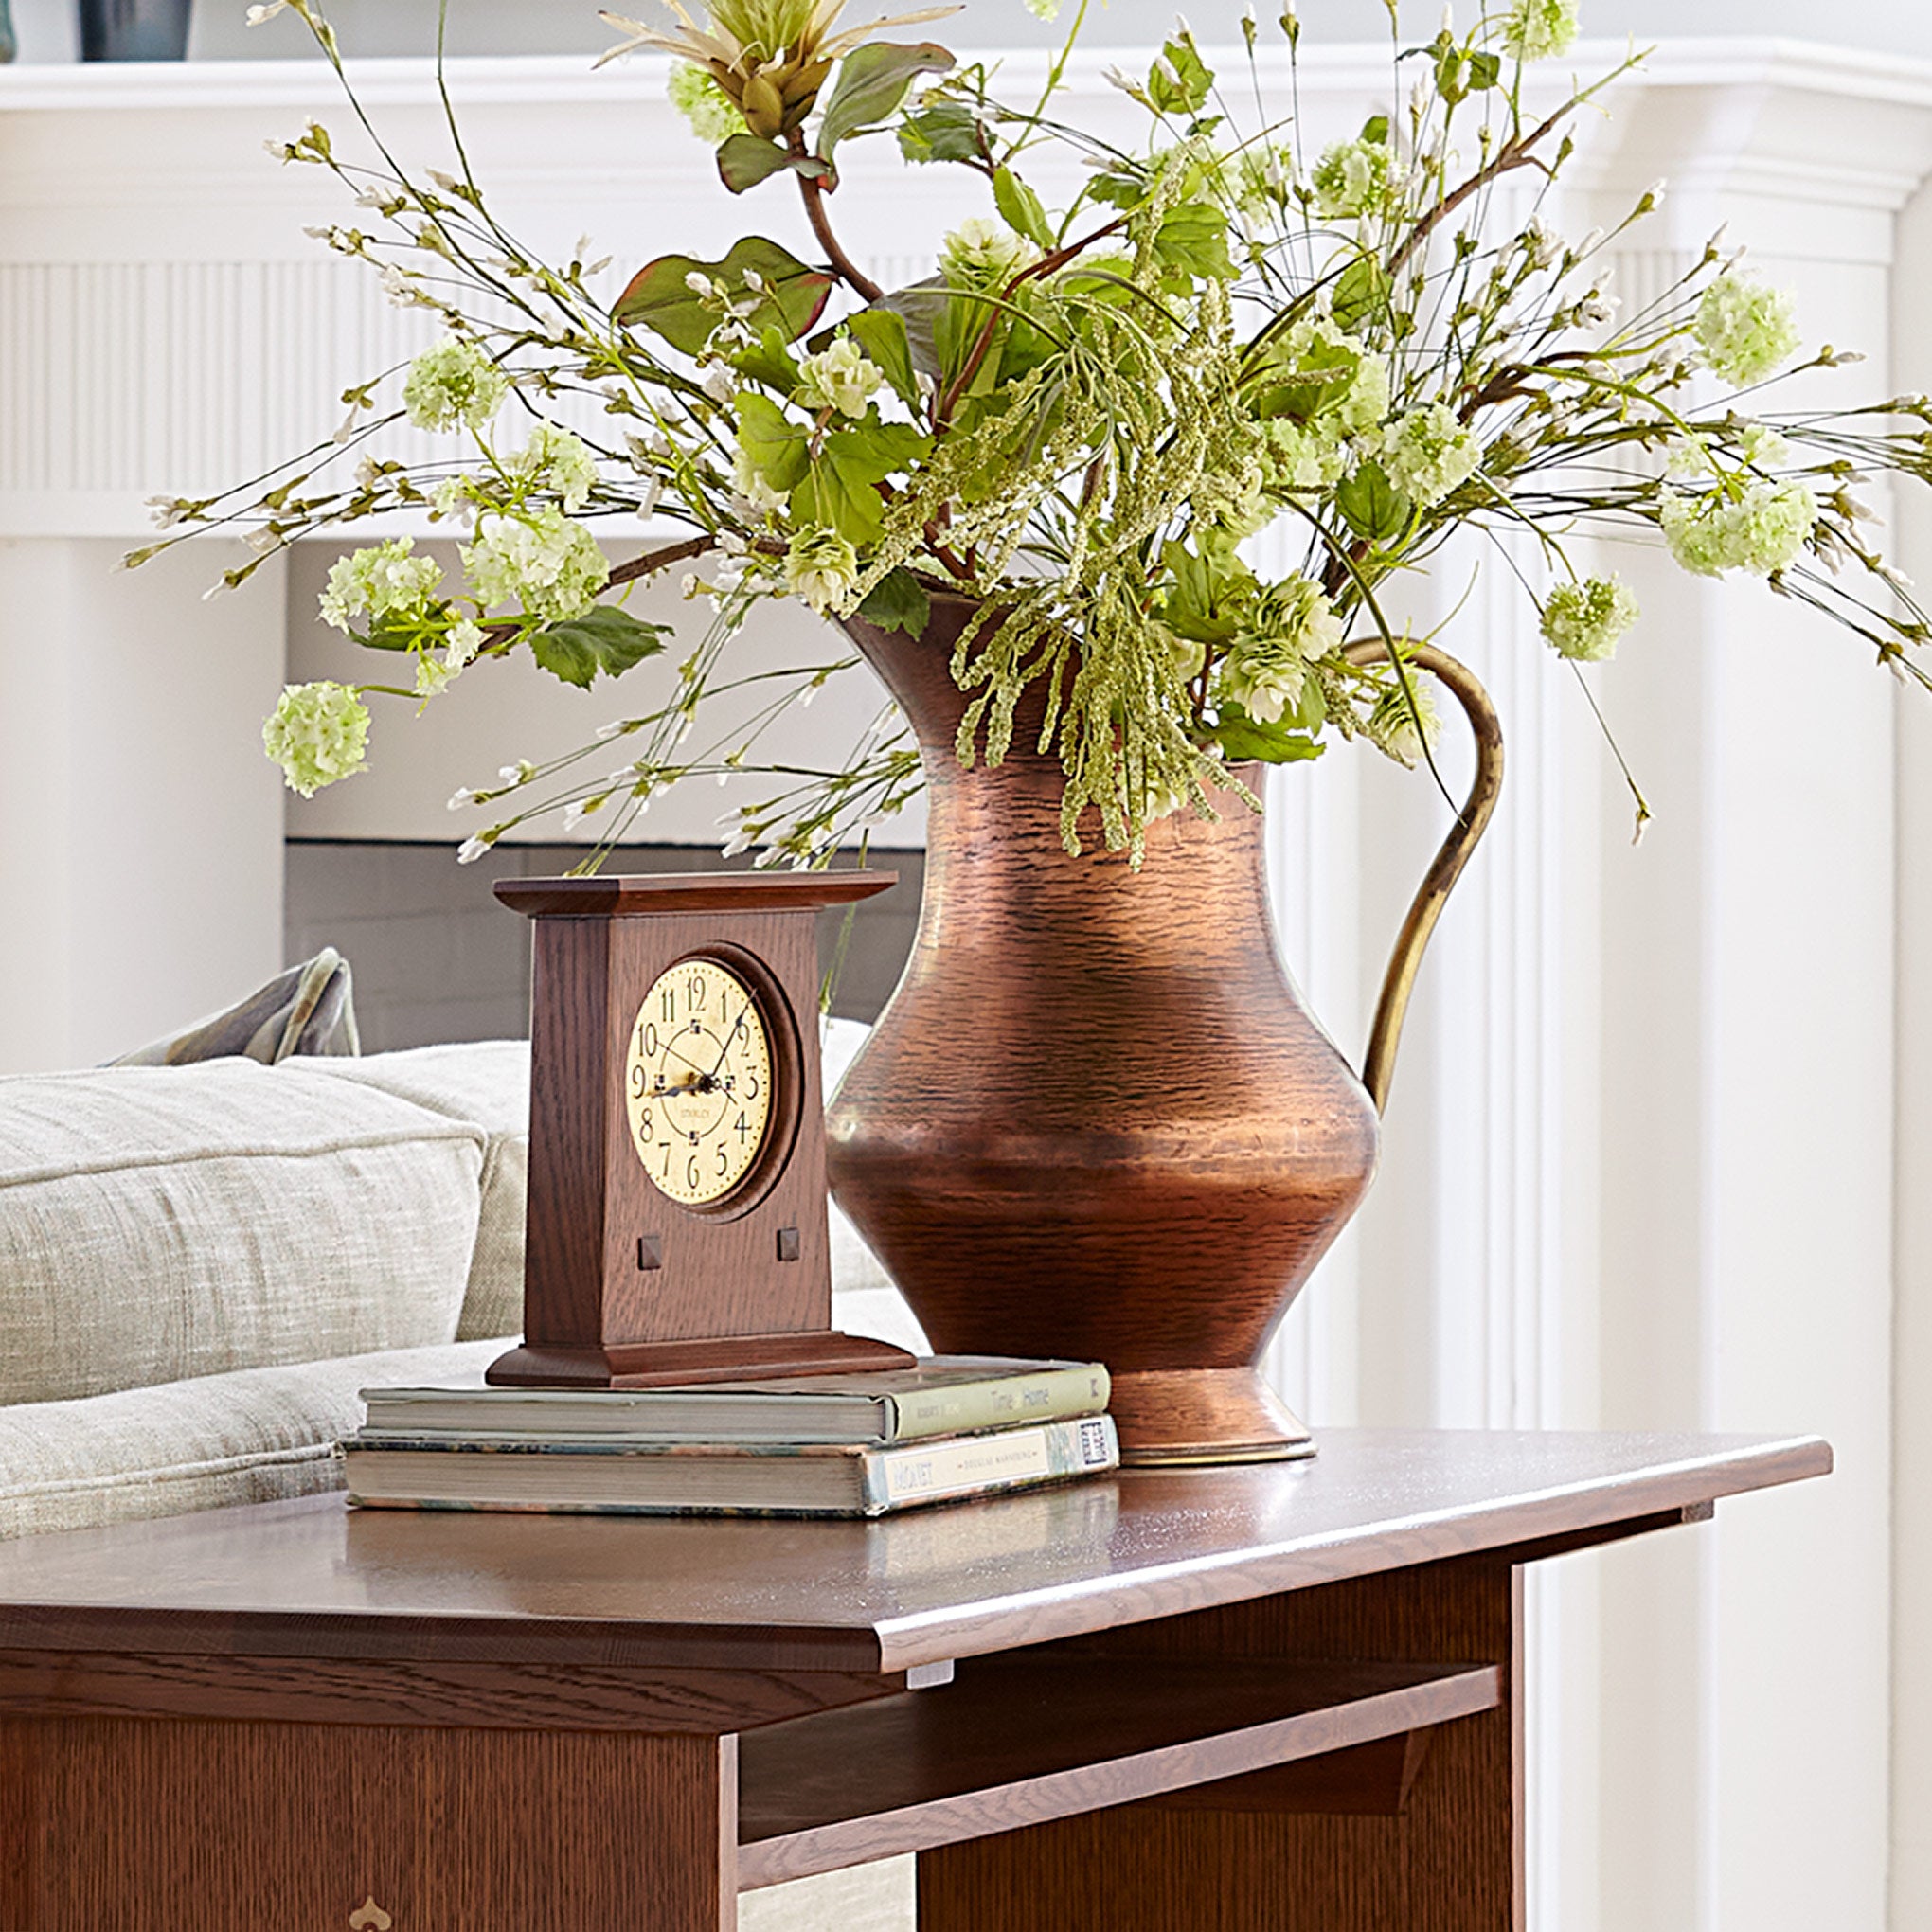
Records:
x=1203, y=1415
x=705, y=1358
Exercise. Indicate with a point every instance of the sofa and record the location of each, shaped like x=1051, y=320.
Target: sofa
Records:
x=202, y=1265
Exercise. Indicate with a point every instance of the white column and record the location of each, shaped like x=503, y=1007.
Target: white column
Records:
x=141, y=825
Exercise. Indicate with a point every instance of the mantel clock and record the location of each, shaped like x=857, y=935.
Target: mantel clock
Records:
x=676, y=1222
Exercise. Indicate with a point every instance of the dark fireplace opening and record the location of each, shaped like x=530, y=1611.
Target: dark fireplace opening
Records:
x=435, y=957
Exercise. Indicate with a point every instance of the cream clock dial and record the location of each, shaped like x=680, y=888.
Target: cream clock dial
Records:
x=698, y=1081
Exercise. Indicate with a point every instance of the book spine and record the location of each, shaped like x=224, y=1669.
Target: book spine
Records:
x=1005, y=1401
x=984, y=1465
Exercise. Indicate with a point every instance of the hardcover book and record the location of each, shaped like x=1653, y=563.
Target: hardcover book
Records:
x=944, y=1395
x=580, y=1474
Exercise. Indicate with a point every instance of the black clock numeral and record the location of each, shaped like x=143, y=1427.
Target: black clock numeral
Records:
x=723, y=1163
x=636, y=1082
x=691, y=1179
x=664, y=1147
x=644, y=1126
x=744, y=1129
x=694, y=991
x=666, y=1006
x=751, y=1086
x=650, y=1042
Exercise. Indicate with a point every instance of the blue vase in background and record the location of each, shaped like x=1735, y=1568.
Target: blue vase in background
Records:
x=133, y=29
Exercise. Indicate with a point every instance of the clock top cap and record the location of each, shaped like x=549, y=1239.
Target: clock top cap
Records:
x=642, y=894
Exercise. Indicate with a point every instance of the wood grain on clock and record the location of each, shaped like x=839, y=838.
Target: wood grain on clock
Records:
x=1095, y=1119
x=623, y=1285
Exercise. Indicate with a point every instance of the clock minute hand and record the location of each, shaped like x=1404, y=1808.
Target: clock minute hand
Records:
x=737, y=1027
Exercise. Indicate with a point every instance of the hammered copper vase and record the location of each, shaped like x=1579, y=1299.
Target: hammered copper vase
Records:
x=1096, y=1120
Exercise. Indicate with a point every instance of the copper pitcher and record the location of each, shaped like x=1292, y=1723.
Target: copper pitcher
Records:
x=1095, y=1120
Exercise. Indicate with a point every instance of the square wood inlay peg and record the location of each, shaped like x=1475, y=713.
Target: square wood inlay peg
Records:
x=789, y=1244
x=650, y=1251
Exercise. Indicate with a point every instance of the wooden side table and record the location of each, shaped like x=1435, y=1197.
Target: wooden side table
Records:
x=1280, y=1696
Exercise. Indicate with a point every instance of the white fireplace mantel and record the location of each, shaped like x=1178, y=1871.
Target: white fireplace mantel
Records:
x=1642, y=1151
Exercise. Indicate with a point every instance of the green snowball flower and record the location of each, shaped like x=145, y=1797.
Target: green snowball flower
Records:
x=1538, y=29
x=539, y=560
x=556, y=461
x=1291, y=625
x=454, y=385
x=1428, y=452
x=713, y=115
x=1354, y=178
x=317, y=734
x=1762, y=531
x=383, y=581
x=1745, y=328
x=1584, y=620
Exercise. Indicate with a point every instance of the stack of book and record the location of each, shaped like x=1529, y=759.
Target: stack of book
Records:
x=807, y=1446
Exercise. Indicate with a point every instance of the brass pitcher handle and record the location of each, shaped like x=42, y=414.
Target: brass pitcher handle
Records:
x=1378, y=1066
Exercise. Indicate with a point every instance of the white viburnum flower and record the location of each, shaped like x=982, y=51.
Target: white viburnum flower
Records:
x=822, y=567
x=537, y=560
x=1264, y=668
x=1539, y=30
x=1745, y=328
x=1354, y=178
x=317, y=733
x=1761, y=530
x=1762, y=448
x=556, y=461
x=1044, y=10
x=383, y=582
x=454, y=385
x=840, y=378
x=1584, y=620
x=1428, y=452
x=980, y=252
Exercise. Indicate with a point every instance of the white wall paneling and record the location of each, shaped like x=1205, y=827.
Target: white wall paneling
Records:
x=1641, y=1159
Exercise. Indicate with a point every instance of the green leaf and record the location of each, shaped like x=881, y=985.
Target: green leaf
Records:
x=838, y=489
x=766, y=362
x=774, y=446
x=947, y=130
x=1179, y=80
x=1374, y=506
x=1120, y=184
x=897, y=602
x=387, y=634
x=920, y=308
x=1019, y=207
x=605, y=639
x=1361, y=293
x=1194, y=239
x=1209, y=595
x=882, y=334
x=1241, y=738
x=1375, y=128
x=744, y=160
x=661, y=299
x=1484, y=71
x=872, y=82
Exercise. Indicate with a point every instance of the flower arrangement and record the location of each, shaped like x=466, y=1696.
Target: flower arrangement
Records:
x=1077, y=422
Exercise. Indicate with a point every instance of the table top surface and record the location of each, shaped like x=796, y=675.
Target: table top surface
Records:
x=314, y=1578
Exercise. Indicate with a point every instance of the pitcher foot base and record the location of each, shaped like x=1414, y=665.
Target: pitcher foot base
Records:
x=1177, y=1416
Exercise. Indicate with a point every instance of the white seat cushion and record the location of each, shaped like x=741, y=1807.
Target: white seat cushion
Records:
x=255, y=1436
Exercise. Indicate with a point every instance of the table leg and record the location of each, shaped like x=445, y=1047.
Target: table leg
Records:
x=136, y=1824
x=1448, y=1858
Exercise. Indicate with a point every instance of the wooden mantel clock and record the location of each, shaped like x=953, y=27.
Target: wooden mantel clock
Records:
x=676, y=1225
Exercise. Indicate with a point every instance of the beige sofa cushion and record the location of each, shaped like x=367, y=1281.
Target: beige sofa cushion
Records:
x=488, y=1083
x=167, y=1222
x=255, y=1436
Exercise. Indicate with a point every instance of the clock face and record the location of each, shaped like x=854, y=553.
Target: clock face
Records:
x=698, y=1081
